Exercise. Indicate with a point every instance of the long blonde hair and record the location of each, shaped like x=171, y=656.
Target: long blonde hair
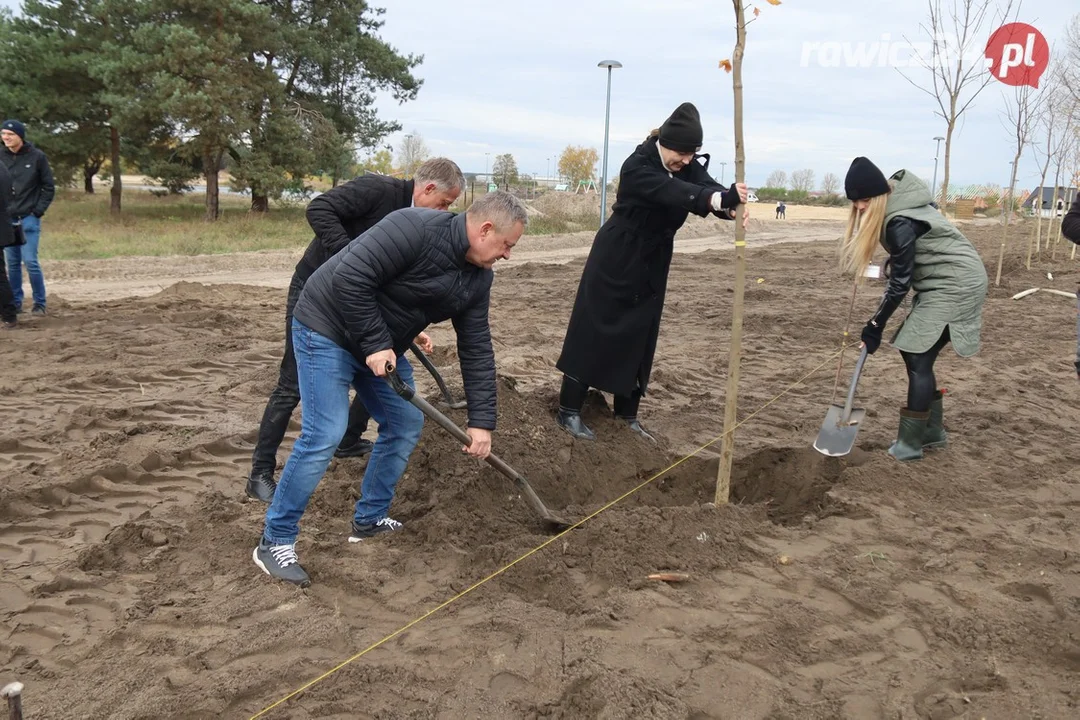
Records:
x=862, y=236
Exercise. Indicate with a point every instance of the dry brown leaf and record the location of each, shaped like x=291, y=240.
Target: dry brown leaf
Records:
x=774, y=2
x=726, y=64
x=757, y=12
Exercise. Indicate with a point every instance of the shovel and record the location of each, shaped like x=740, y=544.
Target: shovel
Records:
x=448, y=399
x=837, y=435
x=550, y=520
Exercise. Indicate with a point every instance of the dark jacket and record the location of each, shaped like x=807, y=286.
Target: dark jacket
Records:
x=7, y=235
x=340, y=215
x=611, y=338
x=1070, y=224
x=32, y=185
x=403, y=274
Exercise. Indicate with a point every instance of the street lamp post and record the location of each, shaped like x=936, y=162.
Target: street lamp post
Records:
x=933, y=188
x=723, y=167
x=610, y=65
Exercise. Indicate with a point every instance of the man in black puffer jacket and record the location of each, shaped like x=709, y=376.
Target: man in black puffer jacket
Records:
x=337, y=217
x=356, y=315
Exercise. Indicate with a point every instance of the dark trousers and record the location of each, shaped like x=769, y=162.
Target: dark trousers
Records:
x=572, y=397
x=7, y=297
x=920, y=369
x=286, y=397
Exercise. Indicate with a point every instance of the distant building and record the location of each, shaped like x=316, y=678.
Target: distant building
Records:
x=1043, y=197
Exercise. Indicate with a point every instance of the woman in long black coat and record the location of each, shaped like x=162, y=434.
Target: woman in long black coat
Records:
x=611, y=338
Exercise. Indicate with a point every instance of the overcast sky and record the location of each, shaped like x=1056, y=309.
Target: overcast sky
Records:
x=508, y=76
x=516, y=77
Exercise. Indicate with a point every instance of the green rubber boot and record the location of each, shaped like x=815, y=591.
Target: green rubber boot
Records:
x=909, y=439
x=935, y=436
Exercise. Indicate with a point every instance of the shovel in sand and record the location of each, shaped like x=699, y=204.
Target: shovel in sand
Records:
x=550, y=520
x=448, y=399
x=837, y=435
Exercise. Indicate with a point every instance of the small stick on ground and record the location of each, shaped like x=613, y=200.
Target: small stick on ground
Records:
x=670, y=577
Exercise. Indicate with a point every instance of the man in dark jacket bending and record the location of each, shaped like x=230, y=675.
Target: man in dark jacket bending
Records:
x=337, y=217
x=358, y=313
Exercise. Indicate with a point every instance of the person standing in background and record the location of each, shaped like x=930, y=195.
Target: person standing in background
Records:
x=32, y=191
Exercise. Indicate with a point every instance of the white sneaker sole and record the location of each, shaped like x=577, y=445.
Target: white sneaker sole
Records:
x=255, y=557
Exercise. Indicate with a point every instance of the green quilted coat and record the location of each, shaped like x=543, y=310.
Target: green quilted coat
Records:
x=949, y=281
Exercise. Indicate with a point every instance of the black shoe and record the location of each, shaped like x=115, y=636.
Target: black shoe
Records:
x=281, y=562
x=634, y=425
x=261, y=486
x=360, y=532
x=357, y=449
x=10, y=325
x=38, y=311
x=570, y=420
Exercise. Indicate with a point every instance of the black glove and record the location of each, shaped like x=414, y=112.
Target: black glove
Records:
x=730, y=198
x=871, y=335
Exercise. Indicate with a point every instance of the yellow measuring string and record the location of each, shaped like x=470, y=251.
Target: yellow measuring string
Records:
x=539, y=547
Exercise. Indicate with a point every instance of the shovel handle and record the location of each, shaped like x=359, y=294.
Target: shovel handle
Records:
x=406, y=392
x=854, y=381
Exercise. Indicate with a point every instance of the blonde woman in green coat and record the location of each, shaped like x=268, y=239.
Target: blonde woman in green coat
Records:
x=927, y=255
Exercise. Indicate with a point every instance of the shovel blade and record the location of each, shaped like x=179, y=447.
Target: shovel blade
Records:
x=837, y=437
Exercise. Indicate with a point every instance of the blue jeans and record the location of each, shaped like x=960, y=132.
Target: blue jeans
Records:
x=26, y=254
x=325, y=371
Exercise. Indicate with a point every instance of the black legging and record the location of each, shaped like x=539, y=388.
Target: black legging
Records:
x=920, y=371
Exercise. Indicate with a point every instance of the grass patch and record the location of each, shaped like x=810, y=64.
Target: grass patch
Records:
x=79, y=227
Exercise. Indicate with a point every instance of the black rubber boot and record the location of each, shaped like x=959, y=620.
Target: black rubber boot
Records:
x=936, y=437
x=571, y=398
x=633, y=424
x=570, y=420
x=909, y=437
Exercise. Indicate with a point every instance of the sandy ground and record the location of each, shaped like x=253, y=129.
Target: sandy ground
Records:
x=948, y=588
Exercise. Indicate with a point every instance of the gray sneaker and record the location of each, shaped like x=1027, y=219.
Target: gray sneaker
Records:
x=360, y=532
x=281, y=562
x=38, y=311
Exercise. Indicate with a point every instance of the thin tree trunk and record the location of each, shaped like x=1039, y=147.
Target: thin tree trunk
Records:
x=260, y=203
x=1007, y=209
x=90, y=169
x=1053, y=213
x=731, y=397
x=211, y=162
x=117, y=171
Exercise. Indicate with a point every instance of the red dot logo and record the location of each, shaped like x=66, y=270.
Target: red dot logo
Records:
x=1017, y=54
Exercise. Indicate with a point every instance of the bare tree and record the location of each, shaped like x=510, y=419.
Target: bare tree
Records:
x=830, y=184
x=777, y=179
x=1046, y=124
x=1020, y=106
x=955, y=83
x=802, y=180
x=413, y=151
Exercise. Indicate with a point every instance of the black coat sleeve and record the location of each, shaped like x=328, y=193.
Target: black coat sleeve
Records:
x=477, y=358
x=900, y=236
x=46, y=185
x=730, y=195
x=650, y=184
x=1070, y=224
x=328, y=213
x=375, y=258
